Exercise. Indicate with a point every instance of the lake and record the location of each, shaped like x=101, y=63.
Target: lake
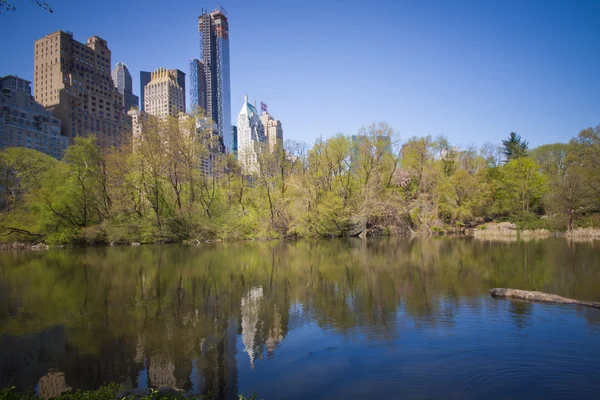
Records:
x=381, y=318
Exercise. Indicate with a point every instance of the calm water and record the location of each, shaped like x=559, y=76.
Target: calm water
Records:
x=345, y=319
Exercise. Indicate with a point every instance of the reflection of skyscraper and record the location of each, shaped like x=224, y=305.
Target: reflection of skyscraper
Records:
x=250, y=309
x=162, y=371
x=214, y=54
x=52, y=385
x=21, y=363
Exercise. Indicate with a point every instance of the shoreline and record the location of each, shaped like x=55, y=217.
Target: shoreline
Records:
x=503, y=231
x=507, y=231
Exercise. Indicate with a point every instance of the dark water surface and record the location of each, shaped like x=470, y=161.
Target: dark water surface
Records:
x=389, y=318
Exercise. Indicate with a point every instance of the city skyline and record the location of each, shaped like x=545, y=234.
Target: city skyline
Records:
x=427, y=68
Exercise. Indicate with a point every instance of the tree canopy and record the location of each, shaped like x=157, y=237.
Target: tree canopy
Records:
x=514, y=147
x=169, y=184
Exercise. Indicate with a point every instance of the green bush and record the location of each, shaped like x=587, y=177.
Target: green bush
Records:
x=93, y=235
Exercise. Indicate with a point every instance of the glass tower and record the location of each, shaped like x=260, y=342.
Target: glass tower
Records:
x=197, y=85
x=214, y=54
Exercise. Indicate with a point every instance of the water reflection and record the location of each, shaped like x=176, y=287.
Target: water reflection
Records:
x=52, y=385
x=209, y=319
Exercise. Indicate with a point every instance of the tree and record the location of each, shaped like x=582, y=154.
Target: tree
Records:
x=522, y=183
x=21, y=170
x=5, y=5
x=514, y=147
x=589, y=151
x=551, y=158
x=492, y=153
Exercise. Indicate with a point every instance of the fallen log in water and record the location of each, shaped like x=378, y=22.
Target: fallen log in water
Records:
x=505, y=293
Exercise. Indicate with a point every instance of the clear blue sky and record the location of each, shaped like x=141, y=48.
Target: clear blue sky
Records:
x=473, y=70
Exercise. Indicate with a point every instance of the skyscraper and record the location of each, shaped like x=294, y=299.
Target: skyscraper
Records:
x=122, y=79
x=164, y=94
x=250, y=137
x=255, y=135
x=197, y=85
x=214, y=54
x=144, y=80
x=25, y=123
x=273, y=130
x=72, y=80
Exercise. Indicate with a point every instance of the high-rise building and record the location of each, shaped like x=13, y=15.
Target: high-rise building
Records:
x=138, y=121
x=180, y=79
x=250, y=137
x=122, y=80
x=25, y=123
x=144, y=80
x=273, y=130
x=73, y=80
x=214, y=54
x=255, y=135
x=235, y=140
x=197, y=85
x=164, y=94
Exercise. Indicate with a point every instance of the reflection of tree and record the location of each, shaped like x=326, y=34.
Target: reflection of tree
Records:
x=178, y=310
x=275, y=333
x=520, y=311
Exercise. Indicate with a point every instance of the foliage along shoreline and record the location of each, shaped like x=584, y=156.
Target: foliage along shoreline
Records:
x=156, y=189
x=112, y=391
x=481, y=232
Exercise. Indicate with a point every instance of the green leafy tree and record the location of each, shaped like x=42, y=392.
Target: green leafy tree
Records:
x=523, y=185
x=589, y=153
x=22, y=172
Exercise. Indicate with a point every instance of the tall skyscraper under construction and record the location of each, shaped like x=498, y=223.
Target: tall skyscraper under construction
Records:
x=214, y=67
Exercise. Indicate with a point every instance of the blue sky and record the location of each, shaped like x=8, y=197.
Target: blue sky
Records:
x=473, y=70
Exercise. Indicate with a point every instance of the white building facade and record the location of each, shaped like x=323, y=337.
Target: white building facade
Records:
x=256, y=134
x=164, y=95
x=251, y=137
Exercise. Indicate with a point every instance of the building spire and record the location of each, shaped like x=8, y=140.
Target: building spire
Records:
x=245, y=99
